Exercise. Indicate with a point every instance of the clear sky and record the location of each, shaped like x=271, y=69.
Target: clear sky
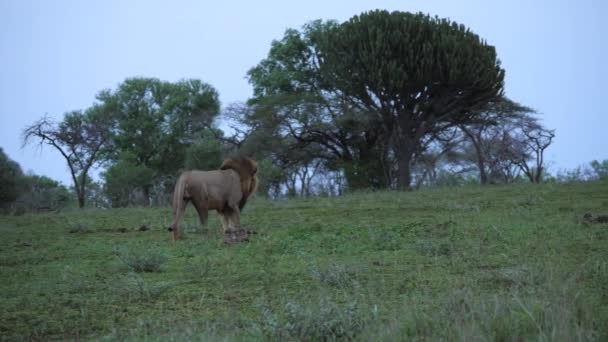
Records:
x=56, y=55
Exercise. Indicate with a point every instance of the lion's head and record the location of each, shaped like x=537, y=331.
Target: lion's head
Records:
x=247, y=169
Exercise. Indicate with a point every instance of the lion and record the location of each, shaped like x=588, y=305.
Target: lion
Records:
x=225, y=190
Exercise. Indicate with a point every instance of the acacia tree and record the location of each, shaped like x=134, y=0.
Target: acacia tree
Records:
x=81, y=138
x=490, y=136
x=534, y=140
x=411, y=71
x=507, y=138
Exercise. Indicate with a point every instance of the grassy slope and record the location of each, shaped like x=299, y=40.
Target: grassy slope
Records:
x=473, y=263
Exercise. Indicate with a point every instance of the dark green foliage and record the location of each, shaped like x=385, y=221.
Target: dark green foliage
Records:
x=123, y=179
x=365, y=93
x=21, y=193
x=389, y=55
x=270, y=175
x=43, y=193
x=157, y=120
x=10, y=180
x=205, y=153
x=292, y=112
x=414, y=72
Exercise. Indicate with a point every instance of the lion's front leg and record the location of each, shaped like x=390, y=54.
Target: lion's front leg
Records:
x=234, y=219
x=224, y=220
x=233, y=232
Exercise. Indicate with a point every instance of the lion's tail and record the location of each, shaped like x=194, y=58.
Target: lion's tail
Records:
x=179, y=203
x=179, y=192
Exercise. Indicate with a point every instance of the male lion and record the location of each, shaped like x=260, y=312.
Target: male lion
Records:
x=225, y=190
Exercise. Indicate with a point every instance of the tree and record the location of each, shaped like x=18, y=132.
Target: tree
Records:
x=490, y=137
x=43, y=193
x=205, y=153
x=412, y=72
x=438, y=151
x=81, y=138
x=158, y=120
x=122, y=180
x=507, y=135
x=534, y=139
x=291, y=104
x=11, y=178
x=600, y=168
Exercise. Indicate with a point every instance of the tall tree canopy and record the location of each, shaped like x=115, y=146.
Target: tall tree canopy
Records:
x=156, y=119
x=413, y=71
x=370, y=89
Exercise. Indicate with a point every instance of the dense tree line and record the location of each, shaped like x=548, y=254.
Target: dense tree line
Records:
x=21, y=192
x=385, y=100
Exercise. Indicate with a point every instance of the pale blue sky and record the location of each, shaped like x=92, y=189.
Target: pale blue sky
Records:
x=56, y=55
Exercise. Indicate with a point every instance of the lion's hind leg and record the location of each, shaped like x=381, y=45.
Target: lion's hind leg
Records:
x=201, y=204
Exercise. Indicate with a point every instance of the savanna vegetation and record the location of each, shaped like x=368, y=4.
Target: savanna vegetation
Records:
x=401, y=196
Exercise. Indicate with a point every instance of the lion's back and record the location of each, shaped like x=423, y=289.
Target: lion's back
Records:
x=218, y=184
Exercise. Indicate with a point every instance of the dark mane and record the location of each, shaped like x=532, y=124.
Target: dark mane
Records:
x=246, y=169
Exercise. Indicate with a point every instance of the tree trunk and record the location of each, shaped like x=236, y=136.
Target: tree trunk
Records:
x=404, y=178
x=81, y=197
x=146, y=193
x=80, y=190
x=538, y=176
x=483, y=176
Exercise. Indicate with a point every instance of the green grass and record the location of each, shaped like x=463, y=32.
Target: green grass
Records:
x=496, y=263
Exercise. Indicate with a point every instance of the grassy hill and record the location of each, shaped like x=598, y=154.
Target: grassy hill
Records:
x=495, y=263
